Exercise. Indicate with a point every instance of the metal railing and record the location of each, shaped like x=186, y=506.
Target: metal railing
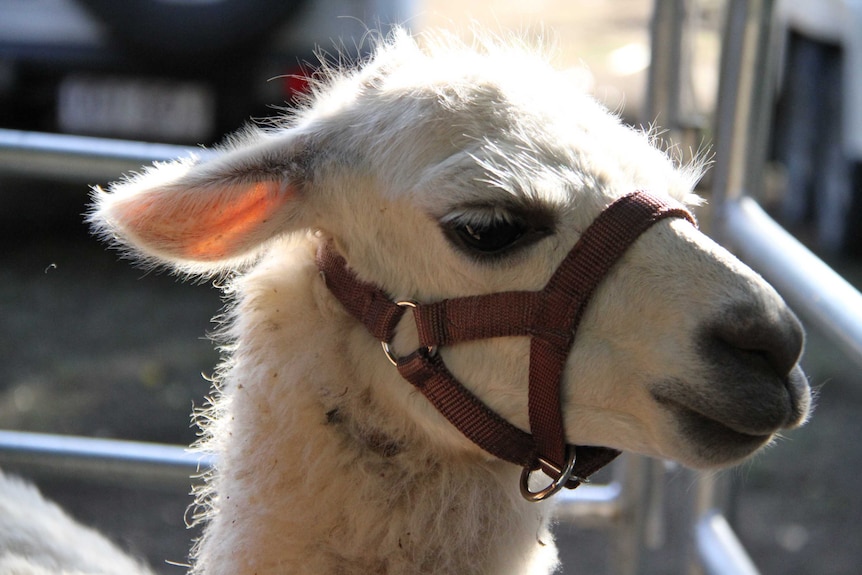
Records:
x=80, y=158
x=121, y=462
x=627, y=504
x=820, y=296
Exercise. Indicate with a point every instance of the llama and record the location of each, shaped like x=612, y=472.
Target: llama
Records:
x=39, y=538
x=432, y=173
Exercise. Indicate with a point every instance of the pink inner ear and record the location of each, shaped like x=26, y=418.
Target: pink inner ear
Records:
x=208, y=227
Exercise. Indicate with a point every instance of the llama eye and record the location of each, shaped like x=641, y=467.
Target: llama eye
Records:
x=486, y=233
x=489, y=232
x=489, y=238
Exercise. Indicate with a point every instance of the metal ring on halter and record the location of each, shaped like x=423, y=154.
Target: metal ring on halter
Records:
x=387, y=349
x=556, y=484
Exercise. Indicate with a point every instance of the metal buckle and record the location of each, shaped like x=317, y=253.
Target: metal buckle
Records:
x=564, y=476
x=387, y=349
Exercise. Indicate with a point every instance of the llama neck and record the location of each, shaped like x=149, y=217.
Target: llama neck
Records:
x=318, y=475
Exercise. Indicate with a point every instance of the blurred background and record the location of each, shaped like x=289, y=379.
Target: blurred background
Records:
x=92, y=346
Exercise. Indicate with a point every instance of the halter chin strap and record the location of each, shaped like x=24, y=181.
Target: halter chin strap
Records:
x=550, y=318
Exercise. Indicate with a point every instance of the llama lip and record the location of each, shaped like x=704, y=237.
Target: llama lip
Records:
x=706, y=420
x=715, y=441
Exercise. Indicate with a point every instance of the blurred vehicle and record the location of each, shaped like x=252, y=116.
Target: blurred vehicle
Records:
x=178, y=71
x=818, y=118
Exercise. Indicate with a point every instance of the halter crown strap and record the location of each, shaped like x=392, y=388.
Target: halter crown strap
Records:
x=550, y=317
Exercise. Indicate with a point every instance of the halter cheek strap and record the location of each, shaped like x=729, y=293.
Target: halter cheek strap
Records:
x=550, y=318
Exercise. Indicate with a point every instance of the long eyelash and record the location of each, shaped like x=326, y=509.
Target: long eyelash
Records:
x=479, y=217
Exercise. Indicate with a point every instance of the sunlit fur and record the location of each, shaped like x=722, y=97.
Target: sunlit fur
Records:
x=329, y=462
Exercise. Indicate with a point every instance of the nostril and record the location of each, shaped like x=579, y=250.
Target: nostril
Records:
x=773, y=337
x=753, y=382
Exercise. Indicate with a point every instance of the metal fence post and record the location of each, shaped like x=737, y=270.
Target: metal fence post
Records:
x=742, y=114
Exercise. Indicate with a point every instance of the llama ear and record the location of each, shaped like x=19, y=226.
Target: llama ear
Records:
x=203, y=216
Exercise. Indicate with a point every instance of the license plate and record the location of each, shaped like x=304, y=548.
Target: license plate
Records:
x=136, y=108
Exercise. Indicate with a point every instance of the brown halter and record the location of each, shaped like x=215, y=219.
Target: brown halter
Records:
x=550, y=317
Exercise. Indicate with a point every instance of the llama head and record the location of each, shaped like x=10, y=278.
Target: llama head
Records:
x=444, y=171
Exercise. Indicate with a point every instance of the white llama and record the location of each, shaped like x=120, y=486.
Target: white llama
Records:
x=438, y=172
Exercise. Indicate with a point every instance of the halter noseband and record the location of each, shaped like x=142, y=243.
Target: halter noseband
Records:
x=550, y=318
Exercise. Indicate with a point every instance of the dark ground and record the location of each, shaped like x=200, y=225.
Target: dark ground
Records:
x=92, y=346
